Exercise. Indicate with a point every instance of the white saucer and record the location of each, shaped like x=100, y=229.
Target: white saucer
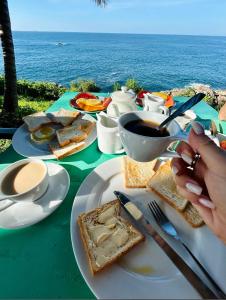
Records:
x=18, y=215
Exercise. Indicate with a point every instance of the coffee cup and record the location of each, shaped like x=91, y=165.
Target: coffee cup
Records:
x=108, y=135
x=24, y=181
x=155, y=104
x=146, y=148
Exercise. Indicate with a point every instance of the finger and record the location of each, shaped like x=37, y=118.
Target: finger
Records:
x=188, y=196
x=205, y=212
x=186, y=152
x=209, y=151
x=179, y=167
x=186, y=182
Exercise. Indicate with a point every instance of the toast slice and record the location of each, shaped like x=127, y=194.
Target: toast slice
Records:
x=36, y=121
x=137, y=174
x=192, y=216
x=162, y=184
x=70, y=134
x=64, y=117
x=84, y=125
x=60, y=152
x=106, y=235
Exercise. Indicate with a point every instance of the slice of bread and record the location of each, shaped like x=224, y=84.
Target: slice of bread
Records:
x=64, y=117
x=162, y=183
x=106, y=235
x=137, y=174
x=84, y=125
x=60, y=152
x=36, y=121
x=192, y=216
x=70, y=134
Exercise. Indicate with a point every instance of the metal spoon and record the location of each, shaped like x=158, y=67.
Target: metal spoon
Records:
x=187, y=105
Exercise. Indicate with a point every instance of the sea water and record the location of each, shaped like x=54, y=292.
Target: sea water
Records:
x=158, y=62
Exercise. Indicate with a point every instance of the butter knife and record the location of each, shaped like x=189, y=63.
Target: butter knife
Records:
x=185, y=269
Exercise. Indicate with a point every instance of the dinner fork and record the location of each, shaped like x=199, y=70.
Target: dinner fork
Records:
x=165, y=224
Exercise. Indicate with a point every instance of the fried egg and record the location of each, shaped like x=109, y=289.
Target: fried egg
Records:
x=43, y=134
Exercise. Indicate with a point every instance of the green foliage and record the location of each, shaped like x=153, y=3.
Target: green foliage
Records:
x=116, y=87
x=133, y=84
x=36, y=89
x=4, y=144
x=26, y=107
x=84, y=86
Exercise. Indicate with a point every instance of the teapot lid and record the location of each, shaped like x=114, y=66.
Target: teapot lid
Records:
x=123, y=95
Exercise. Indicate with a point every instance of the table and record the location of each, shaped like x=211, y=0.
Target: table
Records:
x=38, y=261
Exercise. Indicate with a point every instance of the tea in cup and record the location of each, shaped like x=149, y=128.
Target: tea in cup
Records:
x=25, y=180
x=141, y=138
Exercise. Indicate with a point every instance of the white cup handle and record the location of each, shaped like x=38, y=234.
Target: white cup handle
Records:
x=181, y=136
x=164, y=109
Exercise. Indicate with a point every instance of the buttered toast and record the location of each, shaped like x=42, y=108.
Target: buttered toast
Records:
x=106, y=235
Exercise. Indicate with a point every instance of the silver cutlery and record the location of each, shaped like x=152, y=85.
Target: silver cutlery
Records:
x=165, y=224
x=145, y=226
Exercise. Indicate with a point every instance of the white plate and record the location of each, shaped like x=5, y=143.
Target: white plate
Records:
x=20, y=215
x=123, y=280
x=23, y=145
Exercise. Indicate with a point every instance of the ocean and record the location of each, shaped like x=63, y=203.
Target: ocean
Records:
x=158, y=62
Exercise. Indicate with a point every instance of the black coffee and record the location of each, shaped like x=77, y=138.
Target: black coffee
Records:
x=146, y=128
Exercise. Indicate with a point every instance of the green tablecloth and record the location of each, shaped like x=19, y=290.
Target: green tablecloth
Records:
x=38, y=261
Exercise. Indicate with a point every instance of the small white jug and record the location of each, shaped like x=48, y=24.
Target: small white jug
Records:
x=108, y=135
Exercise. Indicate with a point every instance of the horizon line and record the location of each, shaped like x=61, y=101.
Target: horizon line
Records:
x=125, y=33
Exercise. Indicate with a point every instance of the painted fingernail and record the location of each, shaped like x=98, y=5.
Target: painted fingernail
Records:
x=175, y=170
x=207, y=203
x=197, y=127
x=186, y=158
x=194, y=188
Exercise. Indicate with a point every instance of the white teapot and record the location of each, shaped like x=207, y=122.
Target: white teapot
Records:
x=122, y=102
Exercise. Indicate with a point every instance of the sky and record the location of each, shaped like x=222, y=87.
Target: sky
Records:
x=189, y=17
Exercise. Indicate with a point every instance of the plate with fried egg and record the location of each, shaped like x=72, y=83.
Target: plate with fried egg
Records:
x=54, y=135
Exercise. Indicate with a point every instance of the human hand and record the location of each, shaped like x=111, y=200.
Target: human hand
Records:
x=205, y=187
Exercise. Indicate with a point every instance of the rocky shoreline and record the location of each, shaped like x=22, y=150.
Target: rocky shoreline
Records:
x=214, y=97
